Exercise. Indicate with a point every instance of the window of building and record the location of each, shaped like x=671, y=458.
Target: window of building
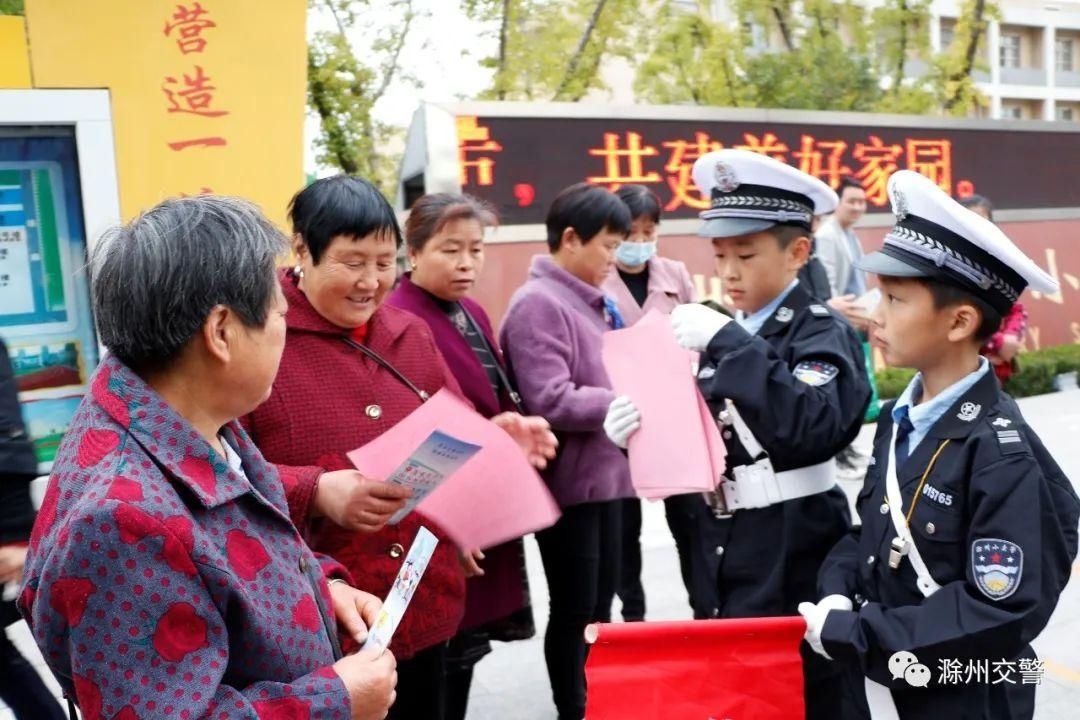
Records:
x=1067, y=114
x=948, y=33
x=1063, y=54
x=1012, y=112
x=1010, y=51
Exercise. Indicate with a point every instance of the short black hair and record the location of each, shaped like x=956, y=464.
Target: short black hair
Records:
x=340, y=205
x=589, y=209
x=973, y=201
x=848, y=182
x=786, y=234
x=642, y=201
x=947, y=295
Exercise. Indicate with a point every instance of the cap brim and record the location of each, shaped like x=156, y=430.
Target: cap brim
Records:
x=733, y=227
x=881, y=264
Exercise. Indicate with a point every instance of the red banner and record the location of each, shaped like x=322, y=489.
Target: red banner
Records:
x=701, y=670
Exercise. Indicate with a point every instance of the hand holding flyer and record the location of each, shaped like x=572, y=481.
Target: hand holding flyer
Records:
x=428, y=466
x=408, y=578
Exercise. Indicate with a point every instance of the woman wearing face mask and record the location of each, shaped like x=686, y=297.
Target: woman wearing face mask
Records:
x=645, y=282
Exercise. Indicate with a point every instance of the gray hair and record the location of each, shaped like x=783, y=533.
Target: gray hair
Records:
x=155, y=280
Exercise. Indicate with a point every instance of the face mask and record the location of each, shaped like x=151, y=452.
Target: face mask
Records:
x=633, y=254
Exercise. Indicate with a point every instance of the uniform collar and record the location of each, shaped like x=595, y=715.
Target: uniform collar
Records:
x=783, y=309
x=954, y=411
x=170, y=440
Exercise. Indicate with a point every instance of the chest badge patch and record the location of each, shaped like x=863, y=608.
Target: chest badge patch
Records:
x=785, y=314
x=706, y=372
x=1002, y=422
x=997, y=566
x=815, y=372
x=969, y=411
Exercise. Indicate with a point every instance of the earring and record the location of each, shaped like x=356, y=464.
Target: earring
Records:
x=412, y=265
x=298, y=271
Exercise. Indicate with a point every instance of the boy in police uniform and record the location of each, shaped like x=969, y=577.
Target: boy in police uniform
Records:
x=969, y=527
x=787, y=378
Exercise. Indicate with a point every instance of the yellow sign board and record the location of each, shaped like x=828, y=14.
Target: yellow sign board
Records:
x=207, y=96
x=14, y=58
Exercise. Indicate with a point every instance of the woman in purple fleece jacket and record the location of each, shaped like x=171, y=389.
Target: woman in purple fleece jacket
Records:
x=551, y=338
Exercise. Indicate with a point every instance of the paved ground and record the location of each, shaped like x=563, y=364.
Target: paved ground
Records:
x=512, y=682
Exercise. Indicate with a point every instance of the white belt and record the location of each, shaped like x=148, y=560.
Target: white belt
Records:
x=758, y=485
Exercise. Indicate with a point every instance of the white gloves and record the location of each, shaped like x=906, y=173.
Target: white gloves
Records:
x=622, y=421
x=695, y=325
x=815, y=619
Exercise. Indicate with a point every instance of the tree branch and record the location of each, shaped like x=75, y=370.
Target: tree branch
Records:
x=977, y=15
x=390, y=67
x=575, y=59
x=504, y=40
x=781, y=21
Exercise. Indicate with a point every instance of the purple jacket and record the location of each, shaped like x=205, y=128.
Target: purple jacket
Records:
x=552, y=340
x=161, y=583
x=501, y=590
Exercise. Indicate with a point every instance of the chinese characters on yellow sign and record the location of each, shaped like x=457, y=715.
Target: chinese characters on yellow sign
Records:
x=207, y=95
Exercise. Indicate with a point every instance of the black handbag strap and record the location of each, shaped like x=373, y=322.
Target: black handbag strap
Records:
x=503, y=379
x=385, y=365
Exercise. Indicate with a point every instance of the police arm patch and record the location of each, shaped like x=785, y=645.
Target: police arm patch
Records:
x=815, y=372
x=997, y=566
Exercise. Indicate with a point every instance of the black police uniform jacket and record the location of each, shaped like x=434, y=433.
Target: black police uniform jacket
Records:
x=993, y=497
x=764, y=562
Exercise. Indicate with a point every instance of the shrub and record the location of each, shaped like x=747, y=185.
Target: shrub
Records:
x=1035, y=375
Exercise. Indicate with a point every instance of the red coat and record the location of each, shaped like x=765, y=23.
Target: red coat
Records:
x=316, y=414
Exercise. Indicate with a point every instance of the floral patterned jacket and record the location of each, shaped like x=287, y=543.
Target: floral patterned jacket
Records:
x=162, y=583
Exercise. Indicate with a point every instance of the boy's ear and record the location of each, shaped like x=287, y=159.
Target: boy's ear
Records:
x=965, y=323
x=799, y=251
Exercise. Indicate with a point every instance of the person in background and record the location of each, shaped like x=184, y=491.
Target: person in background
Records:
x=445, y=240
x=21, y=688
x=838, y=249
x=552, y=339
x=1003, y=347
x=164, y=577
x=646, y=282
x=352, y=368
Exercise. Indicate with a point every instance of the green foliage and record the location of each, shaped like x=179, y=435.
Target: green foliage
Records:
x=1035, y=376
x=343, y=90
x=11, y=7
x=552, y=49
x=817, y=55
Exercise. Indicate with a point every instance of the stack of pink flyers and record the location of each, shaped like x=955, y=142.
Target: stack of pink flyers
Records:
x=678, y=448
x=495, y=496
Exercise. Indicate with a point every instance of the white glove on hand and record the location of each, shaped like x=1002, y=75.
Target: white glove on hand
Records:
x=815, y=616
x=622, y=421
x=695, y=325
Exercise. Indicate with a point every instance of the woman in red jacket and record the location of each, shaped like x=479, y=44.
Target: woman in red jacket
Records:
x=352, y=368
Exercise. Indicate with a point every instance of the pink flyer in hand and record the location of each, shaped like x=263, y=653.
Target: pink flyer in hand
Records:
x=494, y=497
x=678, y=448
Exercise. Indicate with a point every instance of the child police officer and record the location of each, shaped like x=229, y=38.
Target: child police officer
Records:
x=787, y=379
x=968, y=525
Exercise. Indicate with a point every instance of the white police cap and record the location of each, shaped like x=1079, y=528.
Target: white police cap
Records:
x=751, y=192
x=937, y=237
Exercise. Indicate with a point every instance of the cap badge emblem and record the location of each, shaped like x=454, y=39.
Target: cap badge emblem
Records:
x=900, y=206
x=726, y=179
x=969, y=411
x=785, y=314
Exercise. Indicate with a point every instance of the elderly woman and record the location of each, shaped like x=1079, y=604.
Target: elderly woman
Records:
x=445, y=239
x=552, y=338
x=164, y=578
x=352, y=368
x=645, y=282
